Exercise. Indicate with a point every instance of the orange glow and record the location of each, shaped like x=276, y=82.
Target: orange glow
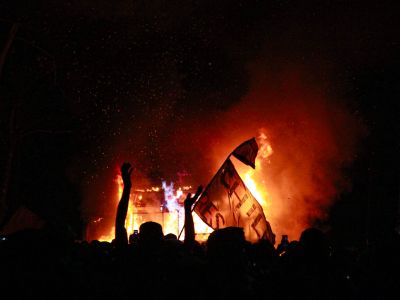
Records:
x=306, y=139
x=255, y=184
x=173, y=220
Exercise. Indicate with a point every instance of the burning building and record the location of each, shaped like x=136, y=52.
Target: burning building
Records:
x=162, y=204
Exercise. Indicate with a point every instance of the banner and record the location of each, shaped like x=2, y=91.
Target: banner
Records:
x=226, y=202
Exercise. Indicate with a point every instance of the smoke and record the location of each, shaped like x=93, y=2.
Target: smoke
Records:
x=313, y=135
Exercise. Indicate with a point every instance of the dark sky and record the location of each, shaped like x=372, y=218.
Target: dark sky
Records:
x=118, y=80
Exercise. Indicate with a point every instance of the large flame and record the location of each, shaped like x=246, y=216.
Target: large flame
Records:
x=172, y=214
x=249, y=176
x=307, y=139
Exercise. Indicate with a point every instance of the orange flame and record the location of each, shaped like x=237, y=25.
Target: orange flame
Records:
x=173, y=220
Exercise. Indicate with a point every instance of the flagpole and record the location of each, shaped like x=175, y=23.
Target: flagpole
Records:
x=212, y=179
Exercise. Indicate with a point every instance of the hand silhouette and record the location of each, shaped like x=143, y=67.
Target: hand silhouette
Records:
x=126, y=171
x=189, y=201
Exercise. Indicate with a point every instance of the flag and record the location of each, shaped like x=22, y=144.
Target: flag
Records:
x=227, y=202
x=247, y=152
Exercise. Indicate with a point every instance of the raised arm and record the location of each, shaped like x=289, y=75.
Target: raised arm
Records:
x=121, y=237
x=189, y=225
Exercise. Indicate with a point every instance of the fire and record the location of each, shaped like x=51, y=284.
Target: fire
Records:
x=310, y=138
x=254, y=178
x=171, y=215
x=251, y=176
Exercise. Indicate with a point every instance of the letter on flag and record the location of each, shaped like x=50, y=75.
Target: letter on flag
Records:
x=226, y=202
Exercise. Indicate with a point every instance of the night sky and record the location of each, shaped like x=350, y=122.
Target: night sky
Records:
x=93, y=83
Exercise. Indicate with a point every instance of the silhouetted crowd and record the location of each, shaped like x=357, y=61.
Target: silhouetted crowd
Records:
x=41, y=264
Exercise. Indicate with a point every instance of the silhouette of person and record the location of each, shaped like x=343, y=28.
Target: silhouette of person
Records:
x=189, y=224
x=121, y=236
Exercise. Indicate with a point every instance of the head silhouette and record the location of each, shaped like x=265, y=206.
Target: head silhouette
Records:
x=150, y=234
x=170, y=236
x=226, y=243
x=314, y=243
